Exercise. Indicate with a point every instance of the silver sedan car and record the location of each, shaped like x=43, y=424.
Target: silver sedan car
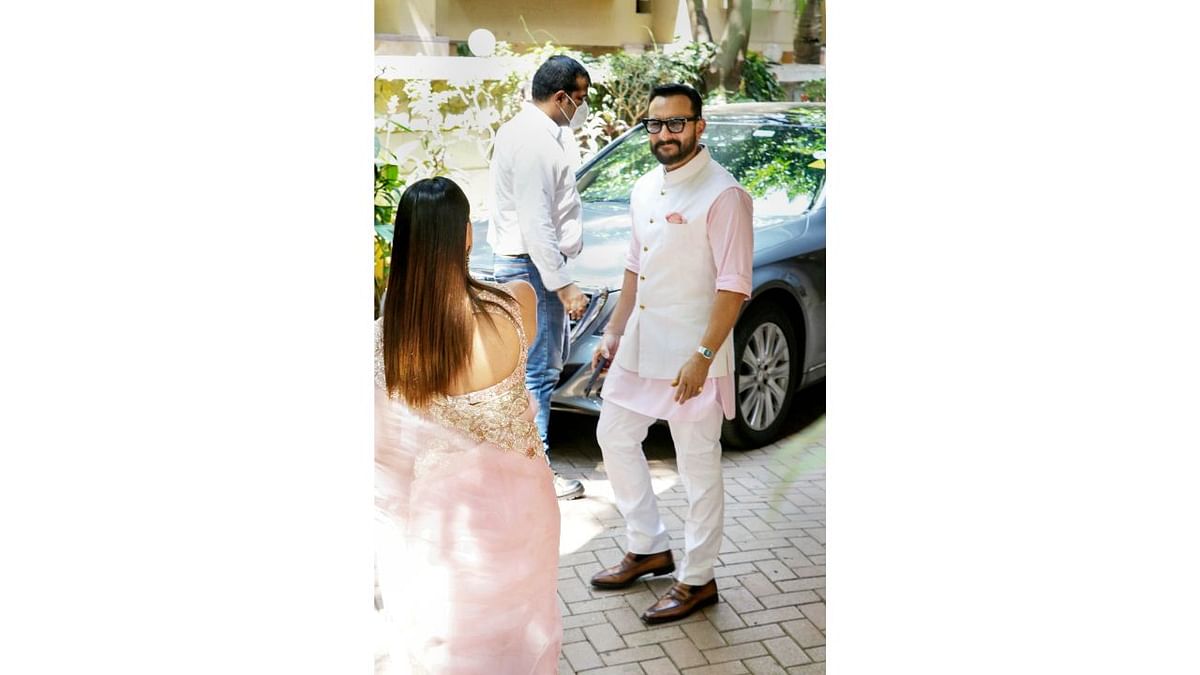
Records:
x=777, y=152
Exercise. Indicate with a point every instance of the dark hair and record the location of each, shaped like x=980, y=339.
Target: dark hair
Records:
x=427, y=328
x=558, y=73
x=676, y=89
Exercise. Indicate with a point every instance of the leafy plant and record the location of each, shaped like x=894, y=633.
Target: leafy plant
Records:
x=813, y=90
x=621, y=90
x=758, y=82
x=389, y=186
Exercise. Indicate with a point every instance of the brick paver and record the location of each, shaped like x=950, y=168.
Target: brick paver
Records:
x=771, y=572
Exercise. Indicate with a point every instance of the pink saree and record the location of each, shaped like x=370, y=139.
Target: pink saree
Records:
x=467, y=552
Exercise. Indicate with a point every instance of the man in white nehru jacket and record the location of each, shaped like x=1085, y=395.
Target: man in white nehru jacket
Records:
x=687, y=273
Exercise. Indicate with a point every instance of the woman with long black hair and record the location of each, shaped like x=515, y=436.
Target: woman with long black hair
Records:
x=468, y=552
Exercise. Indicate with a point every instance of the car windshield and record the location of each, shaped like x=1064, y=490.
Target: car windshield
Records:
x=782, y=166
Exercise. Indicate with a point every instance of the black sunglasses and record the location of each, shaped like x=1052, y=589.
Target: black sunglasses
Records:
x=674, y=124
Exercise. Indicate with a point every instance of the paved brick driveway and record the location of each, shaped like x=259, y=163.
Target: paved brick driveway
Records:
x=771, y=574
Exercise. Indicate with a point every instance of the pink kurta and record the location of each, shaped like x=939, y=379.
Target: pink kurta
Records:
x=730, y=234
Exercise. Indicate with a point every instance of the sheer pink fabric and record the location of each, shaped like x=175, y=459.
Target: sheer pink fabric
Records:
x=467, y=556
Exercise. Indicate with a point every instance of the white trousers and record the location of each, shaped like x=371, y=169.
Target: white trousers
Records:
x=620, y=433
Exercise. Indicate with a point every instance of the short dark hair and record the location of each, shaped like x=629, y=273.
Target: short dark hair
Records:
x=558, y=73
x=676, y=89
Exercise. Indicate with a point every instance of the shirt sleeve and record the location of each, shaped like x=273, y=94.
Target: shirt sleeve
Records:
x=731, y=235
x=534, y=182
x=633, y=257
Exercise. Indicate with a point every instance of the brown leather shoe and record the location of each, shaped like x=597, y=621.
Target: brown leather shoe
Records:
x=633, y=566
x=680, y=601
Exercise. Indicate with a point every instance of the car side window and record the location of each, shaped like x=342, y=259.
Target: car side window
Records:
x=611, y=179
x=782, y=166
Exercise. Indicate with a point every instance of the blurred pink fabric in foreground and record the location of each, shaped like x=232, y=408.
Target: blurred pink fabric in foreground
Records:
x=467, y=552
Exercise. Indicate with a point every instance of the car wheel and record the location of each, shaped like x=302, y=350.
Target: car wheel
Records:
x=766, y=362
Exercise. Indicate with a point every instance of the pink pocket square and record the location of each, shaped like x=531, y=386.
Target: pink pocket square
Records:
x=676, y=218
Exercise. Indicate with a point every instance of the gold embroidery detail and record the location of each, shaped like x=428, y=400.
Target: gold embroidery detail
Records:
x=495, y=414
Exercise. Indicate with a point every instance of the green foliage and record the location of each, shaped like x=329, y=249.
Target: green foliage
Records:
x=389, y=186
x=758, y=82
x=383, y=259
x=790, y=164
x=813, y=90
x=621, y=99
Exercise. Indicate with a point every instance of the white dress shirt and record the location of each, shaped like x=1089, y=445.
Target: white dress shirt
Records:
x=534, y=204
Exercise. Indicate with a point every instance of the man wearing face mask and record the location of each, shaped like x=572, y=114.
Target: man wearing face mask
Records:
x=535, y=224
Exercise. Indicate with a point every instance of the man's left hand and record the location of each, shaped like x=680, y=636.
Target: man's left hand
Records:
x=690, y=380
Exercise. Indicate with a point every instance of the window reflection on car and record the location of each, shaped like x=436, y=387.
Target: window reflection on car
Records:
x=775, y=163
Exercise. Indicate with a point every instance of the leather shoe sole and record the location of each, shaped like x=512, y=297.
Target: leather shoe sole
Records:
x=599, y=581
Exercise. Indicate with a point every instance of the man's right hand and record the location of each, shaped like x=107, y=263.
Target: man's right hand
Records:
x=607, y=348
x=573, y=300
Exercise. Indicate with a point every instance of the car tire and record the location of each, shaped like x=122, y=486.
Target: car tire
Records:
x=767, y=360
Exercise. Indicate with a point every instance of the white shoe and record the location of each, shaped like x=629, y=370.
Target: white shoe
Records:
x=567, y=488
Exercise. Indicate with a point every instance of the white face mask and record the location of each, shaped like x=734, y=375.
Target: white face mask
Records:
x=580, y=116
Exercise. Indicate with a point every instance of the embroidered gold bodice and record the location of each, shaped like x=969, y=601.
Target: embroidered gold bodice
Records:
x=497, y=414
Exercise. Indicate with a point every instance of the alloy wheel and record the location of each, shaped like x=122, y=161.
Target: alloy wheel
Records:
x=763, y=376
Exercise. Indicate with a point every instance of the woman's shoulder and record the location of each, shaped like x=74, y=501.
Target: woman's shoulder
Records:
x=526, y=299
x=506, y=293
x=521, y=291
x=520, y=303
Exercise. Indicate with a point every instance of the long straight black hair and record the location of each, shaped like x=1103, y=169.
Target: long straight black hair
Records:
x=427, y=326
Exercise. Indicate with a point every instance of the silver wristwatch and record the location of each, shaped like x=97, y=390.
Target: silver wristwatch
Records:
x=705, y=352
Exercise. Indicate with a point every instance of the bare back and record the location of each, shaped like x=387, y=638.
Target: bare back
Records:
x=498, y=346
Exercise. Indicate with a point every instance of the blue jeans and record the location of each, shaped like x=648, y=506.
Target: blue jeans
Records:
x=545, y=360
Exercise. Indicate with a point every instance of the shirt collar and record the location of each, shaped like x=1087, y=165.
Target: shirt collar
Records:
x=543, y=120
x=694, y=166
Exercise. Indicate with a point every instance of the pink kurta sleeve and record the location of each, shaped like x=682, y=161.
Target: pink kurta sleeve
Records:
x=633, y=257
x=731, y=235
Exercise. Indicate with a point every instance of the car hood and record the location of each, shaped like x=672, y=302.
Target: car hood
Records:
x=606, y=227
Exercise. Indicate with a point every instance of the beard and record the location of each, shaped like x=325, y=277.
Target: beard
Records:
x=670, y=152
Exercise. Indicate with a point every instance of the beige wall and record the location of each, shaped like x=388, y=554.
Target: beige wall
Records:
x=671, y=19
x=766, y=25
x=609, y=23
x=773, y=26
x=406, y=17
x=408, y=28
x=580, y=23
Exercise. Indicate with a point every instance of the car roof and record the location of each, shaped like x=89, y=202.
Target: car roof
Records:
x=802, y=113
